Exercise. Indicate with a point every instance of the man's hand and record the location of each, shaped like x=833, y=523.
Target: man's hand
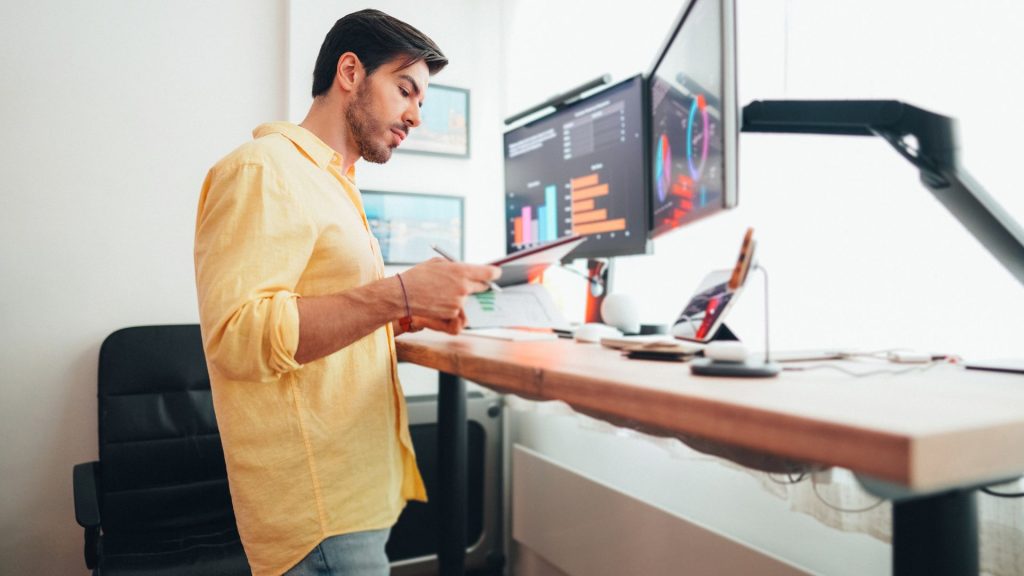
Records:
x=452, y=326
x=437, y=288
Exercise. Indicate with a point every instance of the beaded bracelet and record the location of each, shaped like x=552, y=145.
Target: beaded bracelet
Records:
x=406, y=322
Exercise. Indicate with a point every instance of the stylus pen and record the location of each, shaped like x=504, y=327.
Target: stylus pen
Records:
x=451, y=258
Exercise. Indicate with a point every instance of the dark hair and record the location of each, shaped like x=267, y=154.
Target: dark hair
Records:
x=375, y=38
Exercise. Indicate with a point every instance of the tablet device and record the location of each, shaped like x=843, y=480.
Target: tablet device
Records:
x=520, y=267
x=704, y=313
x=744, y=262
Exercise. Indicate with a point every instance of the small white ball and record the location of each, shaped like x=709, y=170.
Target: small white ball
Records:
x=621, y=311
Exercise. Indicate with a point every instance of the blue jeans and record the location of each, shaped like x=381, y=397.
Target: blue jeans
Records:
x=355, y=554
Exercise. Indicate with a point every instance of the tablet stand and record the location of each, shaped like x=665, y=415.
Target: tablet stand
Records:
x=724, y=334
x=750, y=368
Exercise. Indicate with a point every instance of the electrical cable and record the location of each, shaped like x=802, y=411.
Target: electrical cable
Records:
x=814, y=486
x=567, y=268
x=997, y=494
x=789, y=476
x=991, y=492
x=856, y=374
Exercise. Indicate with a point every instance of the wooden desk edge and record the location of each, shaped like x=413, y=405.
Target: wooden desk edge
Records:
x=741, y=434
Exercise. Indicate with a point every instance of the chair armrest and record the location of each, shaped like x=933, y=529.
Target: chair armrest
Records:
x=87, y=508
x=87, y=502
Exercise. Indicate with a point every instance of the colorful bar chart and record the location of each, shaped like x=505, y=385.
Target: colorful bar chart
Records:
x=527, y=224
x=551, y=213
x=587, y=217
x=538, y=224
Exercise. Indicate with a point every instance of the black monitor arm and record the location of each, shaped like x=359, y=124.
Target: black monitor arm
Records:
x=928, y=140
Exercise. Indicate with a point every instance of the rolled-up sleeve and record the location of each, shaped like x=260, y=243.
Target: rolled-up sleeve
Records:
x=253, y=241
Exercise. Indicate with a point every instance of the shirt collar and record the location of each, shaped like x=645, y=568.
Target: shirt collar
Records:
x=318, y=151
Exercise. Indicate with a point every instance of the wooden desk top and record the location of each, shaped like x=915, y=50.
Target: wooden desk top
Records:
x=927, y=430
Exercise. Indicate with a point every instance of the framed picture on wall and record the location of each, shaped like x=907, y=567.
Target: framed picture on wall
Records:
x=444, y=127
x=407, y=225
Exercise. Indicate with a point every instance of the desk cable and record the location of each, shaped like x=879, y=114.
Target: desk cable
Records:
x=570, y=269
x=814, y=487
x=879, y=354
x=855, y=374
x=997, y=494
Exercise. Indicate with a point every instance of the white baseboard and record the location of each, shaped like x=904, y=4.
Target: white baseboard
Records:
x=581, y=527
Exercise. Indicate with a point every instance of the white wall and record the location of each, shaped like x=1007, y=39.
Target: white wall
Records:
x=113, y=110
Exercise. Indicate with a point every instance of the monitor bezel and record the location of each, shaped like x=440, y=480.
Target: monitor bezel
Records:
x=730, y=110
x=584, y=251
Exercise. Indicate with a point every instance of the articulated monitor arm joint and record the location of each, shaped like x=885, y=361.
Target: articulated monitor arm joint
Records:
x=926, y=139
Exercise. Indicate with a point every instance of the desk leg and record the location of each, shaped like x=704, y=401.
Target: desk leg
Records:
x=452, y=475
x=936, y=535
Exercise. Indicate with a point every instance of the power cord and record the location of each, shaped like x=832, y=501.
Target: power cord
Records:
x=814, y=487
x=790, y=480
x=997, y=494
x=567, y=268
x=856, y=374
x=876, y=504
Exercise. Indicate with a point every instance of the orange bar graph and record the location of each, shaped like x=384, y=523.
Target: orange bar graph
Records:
x=586, y=217
x=589, y=192
x=519, y=230
x=584, y=181
x=592, y=216
x=582, y=206
x=598, y=227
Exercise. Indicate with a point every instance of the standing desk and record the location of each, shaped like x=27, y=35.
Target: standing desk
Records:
x=927, y=439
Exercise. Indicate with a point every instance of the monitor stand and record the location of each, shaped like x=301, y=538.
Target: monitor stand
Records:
x=599, y=277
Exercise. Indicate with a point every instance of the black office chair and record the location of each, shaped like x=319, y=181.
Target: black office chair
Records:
x=157, y=501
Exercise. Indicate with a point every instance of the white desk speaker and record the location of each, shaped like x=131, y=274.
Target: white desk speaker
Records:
x=621, y=311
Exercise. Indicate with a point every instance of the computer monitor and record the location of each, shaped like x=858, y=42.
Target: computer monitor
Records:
x=694, y=118
x=581, y=170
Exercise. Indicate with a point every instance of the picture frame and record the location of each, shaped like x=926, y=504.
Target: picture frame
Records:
x=408, y=224
x=444, y=127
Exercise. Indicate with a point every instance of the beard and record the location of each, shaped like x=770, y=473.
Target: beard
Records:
x=366, y=130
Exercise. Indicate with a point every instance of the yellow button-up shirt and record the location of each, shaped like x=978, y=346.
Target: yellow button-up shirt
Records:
x=312, y=450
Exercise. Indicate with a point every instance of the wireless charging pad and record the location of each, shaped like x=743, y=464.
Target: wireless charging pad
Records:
x=748, y=369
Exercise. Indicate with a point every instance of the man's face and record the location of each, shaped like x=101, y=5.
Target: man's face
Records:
x=386, y=106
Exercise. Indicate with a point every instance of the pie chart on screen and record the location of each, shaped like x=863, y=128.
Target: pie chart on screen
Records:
x=663, y=167
x=697, y=140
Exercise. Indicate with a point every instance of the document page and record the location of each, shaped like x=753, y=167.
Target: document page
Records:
x=526, y=305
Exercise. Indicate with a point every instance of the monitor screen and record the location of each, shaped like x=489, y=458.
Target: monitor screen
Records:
x=581, y=170
x=694, y=117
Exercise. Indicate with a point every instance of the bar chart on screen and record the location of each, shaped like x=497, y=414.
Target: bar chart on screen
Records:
x=590, y=209
x=580, y=171
x=537, y=224
x=588, y=206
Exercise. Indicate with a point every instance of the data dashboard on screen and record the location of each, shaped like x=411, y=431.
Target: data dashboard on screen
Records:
x=581, y=170
x=694, y=117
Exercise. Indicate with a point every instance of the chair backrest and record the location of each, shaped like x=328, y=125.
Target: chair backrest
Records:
x=161, y=460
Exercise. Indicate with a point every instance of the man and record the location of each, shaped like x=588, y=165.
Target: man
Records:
x=298, y=319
